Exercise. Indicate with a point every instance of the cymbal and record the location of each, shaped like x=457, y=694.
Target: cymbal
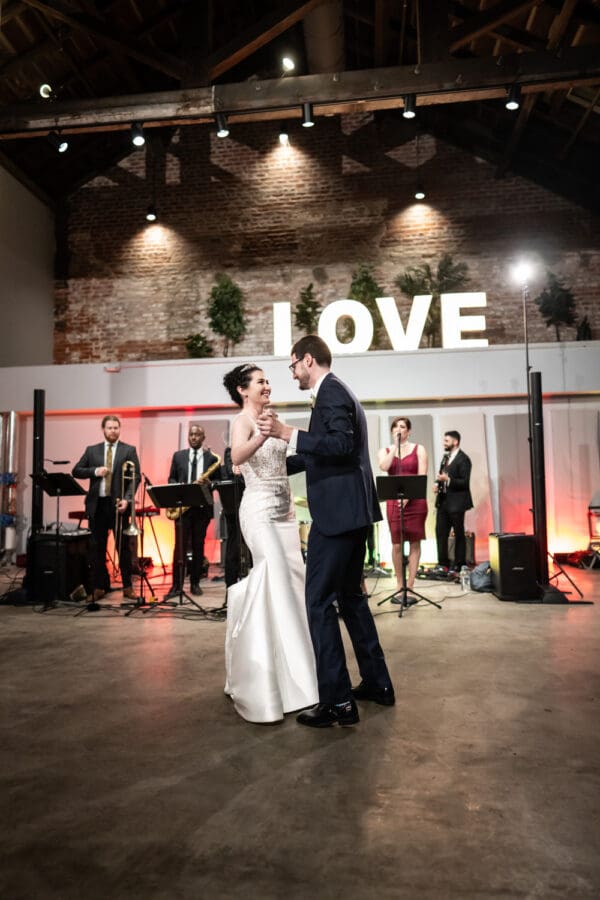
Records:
x=301, y=501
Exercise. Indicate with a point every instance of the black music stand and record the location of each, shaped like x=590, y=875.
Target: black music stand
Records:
x=58, y=484
x=403, y=487
x=171, y=496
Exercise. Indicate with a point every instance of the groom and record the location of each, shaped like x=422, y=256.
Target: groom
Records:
x=343, y=505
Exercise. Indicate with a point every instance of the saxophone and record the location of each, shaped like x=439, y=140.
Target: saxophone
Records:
x=172, y=512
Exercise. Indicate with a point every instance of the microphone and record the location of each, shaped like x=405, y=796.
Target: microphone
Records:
x=58, y=462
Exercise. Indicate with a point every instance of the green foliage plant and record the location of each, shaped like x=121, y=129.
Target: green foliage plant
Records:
x=449, y=277
x=556, y=304
x=307, y=311
x=226, y=312
x=198, y=346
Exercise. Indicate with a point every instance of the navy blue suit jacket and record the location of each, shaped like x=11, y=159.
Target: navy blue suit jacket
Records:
x=334, y=453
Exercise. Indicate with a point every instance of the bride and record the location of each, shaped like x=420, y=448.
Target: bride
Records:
x=269, y=657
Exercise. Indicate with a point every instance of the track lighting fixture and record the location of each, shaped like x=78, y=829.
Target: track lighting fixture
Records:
x=287, y=64
x=222, y=128
x=151, y=214
x=284, y=138
x=513, y=101
x=419, y=193
x=59, y=143
x=137, y=135
x=46, y=92
x=410, y=106
x=307, y=115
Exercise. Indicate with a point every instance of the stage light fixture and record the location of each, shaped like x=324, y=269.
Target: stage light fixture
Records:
x=522, y=272
x=60, y=144
x=513, y=101
x=284, y=138
x=151, y=214
x=222, y=126
x=410, y=106
x=137, y=135
x=287, y=64
x=46, y=92
x=419, y=193
x=307, y=115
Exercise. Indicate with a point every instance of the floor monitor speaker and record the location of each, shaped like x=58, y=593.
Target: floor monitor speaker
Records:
x=57, y=565
x=512, y=561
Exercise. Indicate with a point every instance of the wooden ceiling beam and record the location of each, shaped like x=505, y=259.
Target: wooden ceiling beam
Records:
x=156, y=59
x=452, y=81
x=486, y=21
x=258, y=35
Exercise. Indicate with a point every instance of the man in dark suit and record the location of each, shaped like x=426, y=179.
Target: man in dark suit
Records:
x=453, y=499
x=188, y=466
x=103, y=464
x=343, y=505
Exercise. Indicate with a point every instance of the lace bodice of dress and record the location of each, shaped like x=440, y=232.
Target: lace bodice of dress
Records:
x=267, y=496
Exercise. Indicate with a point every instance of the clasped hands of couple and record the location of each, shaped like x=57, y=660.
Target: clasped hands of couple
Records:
x=270, y=425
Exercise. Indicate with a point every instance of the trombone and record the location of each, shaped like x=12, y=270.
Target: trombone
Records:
x=127, y=479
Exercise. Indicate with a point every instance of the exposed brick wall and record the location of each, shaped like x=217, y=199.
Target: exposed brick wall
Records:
x=275, y=220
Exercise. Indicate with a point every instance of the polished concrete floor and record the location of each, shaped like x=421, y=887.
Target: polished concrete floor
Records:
x=126, y=772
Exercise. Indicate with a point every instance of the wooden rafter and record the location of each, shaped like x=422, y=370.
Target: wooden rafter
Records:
x=486, y=21
x=258, y=35
x=453, y=81
x=156, y=59
x=555, y=36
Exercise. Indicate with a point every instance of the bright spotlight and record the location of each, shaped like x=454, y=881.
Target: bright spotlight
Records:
x=284, y=138
x=522, y=272
x=288, y=64
x=46, y=91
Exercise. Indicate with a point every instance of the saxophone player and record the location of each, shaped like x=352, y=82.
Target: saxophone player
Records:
x=187, y=466
x=103, y=464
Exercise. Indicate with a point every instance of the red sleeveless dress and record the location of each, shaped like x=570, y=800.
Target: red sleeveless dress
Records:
x=415, y=511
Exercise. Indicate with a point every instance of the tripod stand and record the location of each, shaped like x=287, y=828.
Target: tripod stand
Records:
x=401, y=488
x=178, y=496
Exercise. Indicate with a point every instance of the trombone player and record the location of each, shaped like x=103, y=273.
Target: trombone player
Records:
x=114, y=472
x=188, y=466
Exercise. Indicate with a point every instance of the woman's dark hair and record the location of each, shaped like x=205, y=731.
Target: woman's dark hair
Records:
x=237, y=378
x=404, y=419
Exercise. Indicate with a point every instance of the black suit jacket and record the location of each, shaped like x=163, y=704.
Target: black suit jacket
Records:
x=457, y=497
x=92, y=459
x=180, y=465
x=334, y=453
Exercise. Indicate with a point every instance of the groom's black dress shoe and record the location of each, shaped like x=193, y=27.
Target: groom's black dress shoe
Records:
x=383, y=696
x=325, y=714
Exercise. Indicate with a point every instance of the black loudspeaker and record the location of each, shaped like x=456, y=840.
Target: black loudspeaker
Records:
x=57, y=566
x=513, y=564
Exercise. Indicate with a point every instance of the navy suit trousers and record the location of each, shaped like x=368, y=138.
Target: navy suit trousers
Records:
x=334, y=572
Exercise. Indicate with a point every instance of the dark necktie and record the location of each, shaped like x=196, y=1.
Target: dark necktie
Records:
x=194, y=466
x=108, y=464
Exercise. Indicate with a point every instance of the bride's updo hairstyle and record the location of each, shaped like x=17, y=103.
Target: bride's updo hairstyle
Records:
x=237, y=378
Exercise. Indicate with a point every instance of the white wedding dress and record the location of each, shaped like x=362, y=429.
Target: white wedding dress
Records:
x=269, y=659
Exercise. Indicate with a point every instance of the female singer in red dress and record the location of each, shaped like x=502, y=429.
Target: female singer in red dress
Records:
x=405, y=458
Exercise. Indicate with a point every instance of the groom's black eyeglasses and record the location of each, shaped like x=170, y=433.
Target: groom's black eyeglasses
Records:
x=292, y=368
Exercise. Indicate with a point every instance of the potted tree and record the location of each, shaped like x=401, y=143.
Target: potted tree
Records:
x=307, y=311
x=365, y=289
x=556, y=304
x=226, y=311
x=449, y=277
